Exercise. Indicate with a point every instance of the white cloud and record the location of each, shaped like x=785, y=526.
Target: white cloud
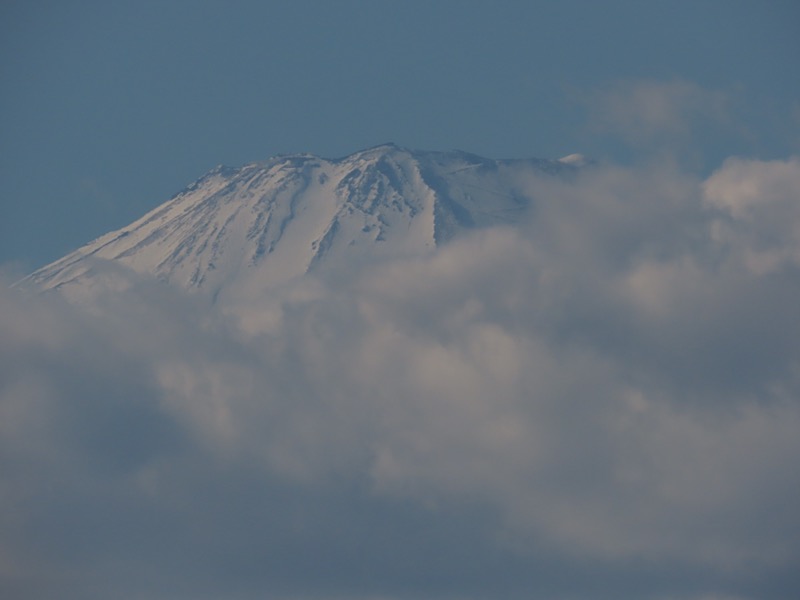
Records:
x=759, y=202
x=648, y=111
x=610, y=385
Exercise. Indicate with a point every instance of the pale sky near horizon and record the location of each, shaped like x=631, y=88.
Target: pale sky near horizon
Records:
x=109, y=108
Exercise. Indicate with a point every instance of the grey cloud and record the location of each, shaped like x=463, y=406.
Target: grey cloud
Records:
x=601, y=402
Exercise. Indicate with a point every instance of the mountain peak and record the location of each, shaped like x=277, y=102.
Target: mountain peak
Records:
x=376, y=153
x=239, y=231
x=385, y=147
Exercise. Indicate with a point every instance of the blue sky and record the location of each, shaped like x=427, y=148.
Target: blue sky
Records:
x=109, y=108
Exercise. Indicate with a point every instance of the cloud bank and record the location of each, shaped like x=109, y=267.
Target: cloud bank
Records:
x=601, y=402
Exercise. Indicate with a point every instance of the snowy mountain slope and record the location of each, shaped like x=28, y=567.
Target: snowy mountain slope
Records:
x=257, y=226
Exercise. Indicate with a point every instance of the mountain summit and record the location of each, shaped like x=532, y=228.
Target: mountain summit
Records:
x=269, y=222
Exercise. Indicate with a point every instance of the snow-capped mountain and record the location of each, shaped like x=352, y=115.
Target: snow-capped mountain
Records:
x=257, y=226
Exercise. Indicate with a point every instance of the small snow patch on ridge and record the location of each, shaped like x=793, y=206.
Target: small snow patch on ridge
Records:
x=576, y=160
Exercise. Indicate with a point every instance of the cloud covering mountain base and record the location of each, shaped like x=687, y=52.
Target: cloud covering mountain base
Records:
x=601, y=401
